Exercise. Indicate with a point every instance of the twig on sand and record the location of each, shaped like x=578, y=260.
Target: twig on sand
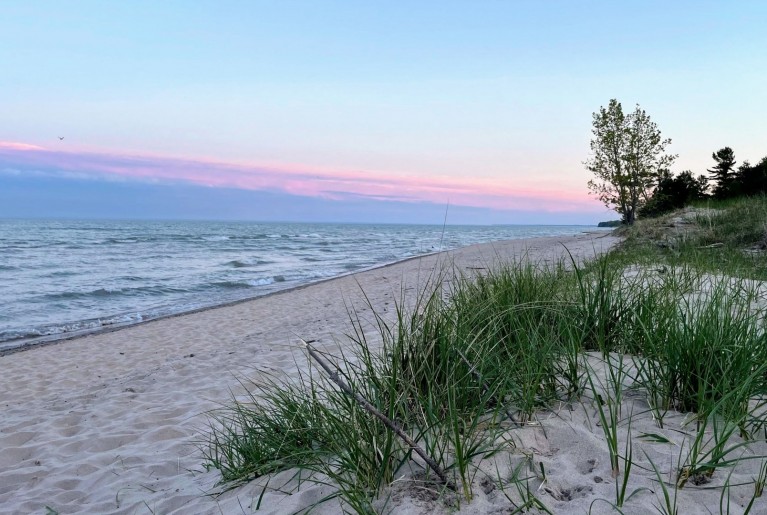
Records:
x=333, y=375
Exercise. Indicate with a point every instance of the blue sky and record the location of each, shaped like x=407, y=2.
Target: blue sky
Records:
x=408, y=105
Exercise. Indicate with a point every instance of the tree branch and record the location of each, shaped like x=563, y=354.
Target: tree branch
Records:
x=367, y=406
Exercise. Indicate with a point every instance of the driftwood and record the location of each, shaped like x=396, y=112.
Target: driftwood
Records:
x=333, y=375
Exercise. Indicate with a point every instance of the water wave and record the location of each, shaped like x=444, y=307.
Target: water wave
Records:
x=121, y=240
x=265, y=281
x=247, y=263
x=105, y=292
x=61, y=273
x=67, y=328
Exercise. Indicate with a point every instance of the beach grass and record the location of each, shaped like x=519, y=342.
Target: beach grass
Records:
x=721, y=237
x=476, y=357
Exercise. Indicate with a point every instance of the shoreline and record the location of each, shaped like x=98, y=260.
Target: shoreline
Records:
x=111, y=422
x=8, y=347
x=54, y=339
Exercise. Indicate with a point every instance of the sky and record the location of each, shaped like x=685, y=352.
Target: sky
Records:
x=358, y=111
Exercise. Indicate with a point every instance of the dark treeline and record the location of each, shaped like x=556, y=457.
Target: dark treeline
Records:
x=723, y=181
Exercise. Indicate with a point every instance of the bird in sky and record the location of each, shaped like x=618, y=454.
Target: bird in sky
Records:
x=61, y=138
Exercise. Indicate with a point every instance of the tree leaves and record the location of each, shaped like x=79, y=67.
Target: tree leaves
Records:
x=628, y=156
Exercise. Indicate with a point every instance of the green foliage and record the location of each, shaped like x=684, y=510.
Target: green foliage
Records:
x=511, y=318
x=669, y=504
x=674, y=193
x=627, y=156
x=725, y=236
x=691, y=356
x=723, y=172
x=711, y=448
x=751, y=179
x=609, y=409
x=747, y=180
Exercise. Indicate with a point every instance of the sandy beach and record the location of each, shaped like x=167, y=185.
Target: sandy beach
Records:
x=109, y=423
x=383, y=258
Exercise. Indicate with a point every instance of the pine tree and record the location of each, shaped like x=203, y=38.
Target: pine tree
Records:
x=722, y=174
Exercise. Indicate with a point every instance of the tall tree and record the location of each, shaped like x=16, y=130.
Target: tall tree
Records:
x=722, y=173
x=628, y=155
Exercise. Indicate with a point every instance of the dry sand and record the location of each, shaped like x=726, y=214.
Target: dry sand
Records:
x=107, y=423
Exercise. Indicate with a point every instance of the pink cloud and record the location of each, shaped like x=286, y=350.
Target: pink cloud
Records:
x=19, y=146
x=295, y=179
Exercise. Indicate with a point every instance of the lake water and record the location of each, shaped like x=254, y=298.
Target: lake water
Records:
x=59, y=277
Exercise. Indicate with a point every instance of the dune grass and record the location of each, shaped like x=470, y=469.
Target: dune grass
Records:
x=727, y=236
x=464, y=365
